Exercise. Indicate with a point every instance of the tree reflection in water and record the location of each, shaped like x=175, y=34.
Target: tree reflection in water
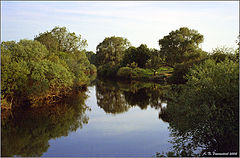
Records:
x=28, y=132
x=110, y=98
x=198, y=128
x=201, y=129
x=118, y=97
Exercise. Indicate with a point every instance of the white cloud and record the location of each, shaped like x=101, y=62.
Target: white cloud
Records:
x=140, y=22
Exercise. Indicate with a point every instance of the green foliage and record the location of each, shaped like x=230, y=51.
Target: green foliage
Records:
x=132, y=65
x=140, y=74
x=118, y=97
x=221, y=53
x=180, y=45
x=124, y=72
x=31, y=74
x=48, y=77
x=69, y=52
x=91, y=57
x=139, y=55
x=155, y=61
x=31, y=70
x=217, y=79
x=205, y=111
x=108, y=70
x=218, y=55
x=59, y=39
x=179, y=73
x=14, y=76
x=110, y=98
x=111, y=50
x=31, y=129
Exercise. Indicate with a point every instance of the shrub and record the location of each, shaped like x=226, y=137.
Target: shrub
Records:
x=124, y=72
x=108, y=70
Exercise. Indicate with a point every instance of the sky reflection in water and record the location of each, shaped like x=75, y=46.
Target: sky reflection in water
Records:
x=133, y=133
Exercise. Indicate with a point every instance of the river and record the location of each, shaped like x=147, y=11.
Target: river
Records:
x=110, y=125
x=114, y=119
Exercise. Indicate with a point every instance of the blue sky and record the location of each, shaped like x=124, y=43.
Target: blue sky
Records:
x=140, y=22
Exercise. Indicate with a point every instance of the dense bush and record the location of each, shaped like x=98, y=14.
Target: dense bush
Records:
x=180, y=71
x=218, y=55
x=108, y=70
x=139, y=55
x=211, y=97
x=32, y=70
x=124, y=72
x=221, y=53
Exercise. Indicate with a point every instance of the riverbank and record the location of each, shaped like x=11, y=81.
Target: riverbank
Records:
x=140, y=74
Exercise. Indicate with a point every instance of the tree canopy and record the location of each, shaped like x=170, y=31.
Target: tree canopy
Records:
x=51, y=65
x=139, y=55
x=180, y=44
x=211, y=97
x=111, y=50
x=59, y=39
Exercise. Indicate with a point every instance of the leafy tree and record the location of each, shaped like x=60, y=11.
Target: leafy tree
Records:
x=59, y=39
x=139, y=55
x=204, y=113
x=68, y=49
x=28, y=73
x=91, y=57
x=111, y=50
x=155, y=61
x=179, y=45
x=221, y=53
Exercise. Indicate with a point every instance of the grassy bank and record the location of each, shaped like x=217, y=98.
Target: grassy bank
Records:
x=140, y=74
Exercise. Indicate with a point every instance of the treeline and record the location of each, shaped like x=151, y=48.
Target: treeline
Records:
x=179, y=51
x=56, y=62
x=46, y=68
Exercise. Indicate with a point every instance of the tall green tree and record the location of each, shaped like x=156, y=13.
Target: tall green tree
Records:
x=155, y=61
x=111, y=50
x=60, y=39
x=68, y=48
x=139, y=55
x=180, y=45
x=91, y=57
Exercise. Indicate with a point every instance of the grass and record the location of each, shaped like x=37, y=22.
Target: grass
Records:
x=144, y=74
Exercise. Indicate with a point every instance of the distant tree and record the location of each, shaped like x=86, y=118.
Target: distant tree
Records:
x=221, y=53
x=59, y=39
x=111, y=50
x=180, y=45
x=155, y=61
x=139, y=55
x=91, y=57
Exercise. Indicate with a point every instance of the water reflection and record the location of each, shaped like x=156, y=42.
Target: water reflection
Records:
x=118, y=97
x=110, y=98
x=201, y=129
x=195, y=130
x=29, y=131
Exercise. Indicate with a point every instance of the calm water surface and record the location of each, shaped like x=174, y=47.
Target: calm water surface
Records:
x=136, y=132
x=122, y=119
x=119, y=120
